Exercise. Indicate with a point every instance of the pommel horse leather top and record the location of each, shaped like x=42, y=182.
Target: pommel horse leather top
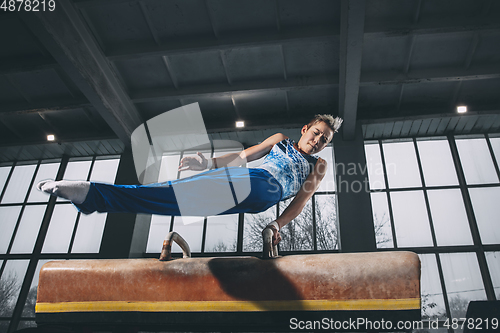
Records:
x=319, y=282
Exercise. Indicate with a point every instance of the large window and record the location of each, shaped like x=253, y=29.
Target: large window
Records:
x=35, y=230
x=315, y=229
x=439, y=198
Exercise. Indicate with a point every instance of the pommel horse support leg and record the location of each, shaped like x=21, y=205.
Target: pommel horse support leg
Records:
x=232, y=293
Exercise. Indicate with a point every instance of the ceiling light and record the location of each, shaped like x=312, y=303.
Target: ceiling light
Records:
x=240, y=124
x=51, y=137
x=462, y=109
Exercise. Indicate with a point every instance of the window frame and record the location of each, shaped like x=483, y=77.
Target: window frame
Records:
x=20, y=317
x=476, y=247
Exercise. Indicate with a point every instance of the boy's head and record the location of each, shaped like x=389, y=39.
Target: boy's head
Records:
x=333, y=123
x=318, y=133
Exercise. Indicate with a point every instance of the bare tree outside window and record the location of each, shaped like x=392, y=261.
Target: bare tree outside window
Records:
x=382, y=230
x=222, y=246
x=458, y=306
x=430, y=309
x=9, y=288
x=29, y=307
x=327, y=237
x=298, y=234
x=254, y=224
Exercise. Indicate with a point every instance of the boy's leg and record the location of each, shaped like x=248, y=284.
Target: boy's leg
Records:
x=90, y=197
x=109, y=198
x=201, y=195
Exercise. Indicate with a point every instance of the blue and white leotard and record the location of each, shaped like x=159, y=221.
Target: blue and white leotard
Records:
x=280, y=177
x=288, y=166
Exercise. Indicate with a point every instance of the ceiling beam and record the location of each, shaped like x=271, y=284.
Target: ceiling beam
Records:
x=150, y=95
x=67, y=38
x=77, y=138
x=368, y=79
x=196, y=45
x=50, y=106
x=430, y=26
x=352, y=22
x=202, y=44
x=386, y=114
x=476, y=72
x=26, y=65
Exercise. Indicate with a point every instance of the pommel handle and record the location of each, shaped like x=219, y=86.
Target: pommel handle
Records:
x=166, y=251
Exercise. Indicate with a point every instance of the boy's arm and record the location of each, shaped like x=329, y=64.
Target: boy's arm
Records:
x=232, y=159
x=298, y=203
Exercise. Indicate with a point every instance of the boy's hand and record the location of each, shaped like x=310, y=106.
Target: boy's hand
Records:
x=195, y=163
x=276, y=234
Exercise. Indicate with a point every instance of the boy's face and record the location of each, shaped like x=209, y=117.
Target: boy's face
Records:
x=315, y=138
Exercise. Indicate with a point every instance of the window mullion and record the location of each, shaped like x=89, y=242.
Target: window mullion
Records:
x=389, y=204
x=443, y=286
x=37, y=249
x=313, y=210
x=7, y=180
x=239, y=237
x=495, y=163
x=73, y=235
x=426, y=197
x=483, y=266
x=204, y=234
x=75, y=228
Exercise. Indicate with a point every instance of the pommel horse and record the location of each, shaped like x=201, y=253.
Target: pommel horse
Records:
x=229, y=293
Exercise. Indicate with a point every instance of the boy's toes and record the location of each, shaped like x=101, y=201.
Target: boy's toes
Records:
x=40, y=184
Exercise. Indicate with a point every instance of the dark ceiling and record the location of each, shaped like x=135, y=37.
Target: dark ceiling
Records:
x=91, y=71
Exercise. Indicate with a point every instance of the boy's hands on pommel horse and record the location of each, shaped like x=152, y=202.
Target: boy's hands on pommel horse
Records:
x=276, y=234
x=196, y=163
x=271, y=237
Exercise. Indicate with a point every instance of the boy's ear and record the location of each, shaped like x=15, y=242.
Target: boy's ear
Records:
x=304, y=129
